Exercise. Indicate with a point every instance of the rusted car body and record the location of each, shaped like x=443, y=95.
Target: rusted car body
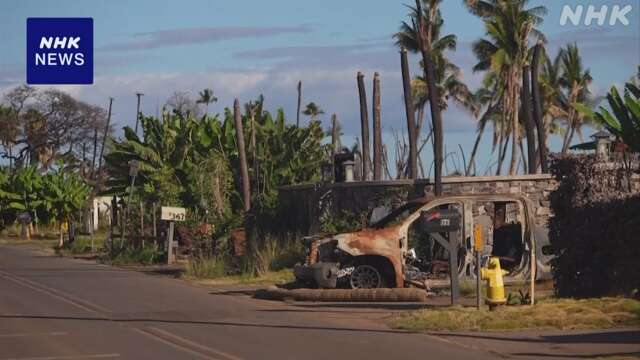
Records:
x=380, y=256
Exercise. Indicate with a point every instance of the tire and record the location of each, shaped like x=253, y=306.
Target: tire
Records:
x=365, y=277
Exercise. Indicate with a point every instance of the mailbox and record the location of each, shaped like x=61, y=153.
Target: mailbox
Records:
x=440, y=220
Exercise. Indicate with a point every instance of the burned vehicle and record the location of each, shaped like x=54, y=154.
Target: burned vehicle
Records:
x=400, y=248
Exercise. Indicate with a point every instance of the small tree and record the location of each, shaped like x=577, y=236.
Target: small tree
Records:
x=64, y=195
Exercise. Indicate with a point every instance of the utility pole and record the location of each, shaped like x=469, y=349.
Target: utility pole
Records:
x=244, y=172
x=139, y=95
x=134, y=167
x=104, y=140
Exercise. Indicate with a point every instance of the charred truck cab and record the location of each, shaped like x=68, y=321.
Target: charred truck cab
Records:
x=401, y=248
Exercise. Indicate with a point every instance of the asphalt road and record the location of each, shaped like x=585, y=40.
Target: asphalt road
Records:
x=58, y=308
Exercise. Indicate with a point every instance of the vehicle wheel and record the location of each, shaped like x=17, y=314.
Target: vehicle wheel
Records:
x=365, y=277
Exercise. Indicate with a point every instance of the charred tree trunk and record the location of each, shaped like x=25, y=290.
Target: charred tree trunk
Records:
x=537, y=109
x=364, y=126
x=244, y=172
x=412, y=167
x=528, y=122
x=377, y=129
x=139, y=95
x=385, y=161
x=299, y=103
x=335, y=135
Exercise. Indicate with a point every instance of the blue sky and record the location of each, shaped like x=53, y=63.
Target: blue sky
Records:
x=242, y=49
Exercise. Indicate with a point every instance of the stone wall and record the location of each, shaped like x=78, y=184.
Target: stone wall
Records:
x=306, y=204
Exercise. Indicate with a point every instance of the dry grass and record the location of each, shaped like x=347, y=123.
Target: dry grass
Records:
x=40, y=243
x=547, y=314
x=269, y=278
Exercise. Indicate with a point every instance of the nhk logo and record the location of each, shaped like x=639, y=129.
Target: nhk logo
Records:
x=618, y=14
x=60, y=51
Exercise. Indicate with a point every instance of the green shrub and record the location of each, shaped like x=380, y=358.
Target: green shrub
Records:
x=146, y=256
x=346, y=221
x=595, y=229
x=79, y=246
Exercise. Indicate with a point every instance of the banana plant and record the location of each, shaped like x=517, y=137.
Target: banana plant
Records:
x=7, y=214
x=27, y=185
x=176, y=153
x=64, y=195
x=623, y=120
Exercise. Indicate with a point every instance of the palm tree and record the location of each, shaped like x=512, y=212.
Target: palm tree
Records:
x=574, y=82
x=206, y=98
x=509, y=27
x=551, y=94
x=446, y=75
x=450, y=87
x=312, y=110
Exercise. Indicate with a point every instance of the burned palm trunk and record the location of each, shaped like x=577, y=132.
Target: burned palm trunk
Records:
x=537, y=109
x=335, y=135
x=377, y=129
x=528, y=122
x=244, y=172
x=139, y=95
x=299, y=103
x=436, y=117
x=364, y=126
x=411, y=122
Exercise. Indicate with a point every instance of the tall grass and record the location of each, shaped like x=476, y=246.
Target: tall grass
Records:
x=272, y=255
x=206, y=268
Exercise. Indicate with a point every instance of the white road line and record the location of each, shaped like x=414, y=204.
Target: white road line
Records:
x=196, y=345
x=176, y=340
x=55, y=333
x=70, y=299
x=93, y=356
x=173, y=345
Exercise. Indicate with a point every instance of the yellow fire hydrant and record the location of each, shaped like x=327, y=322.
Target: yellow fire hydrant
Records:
x=495, y=286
